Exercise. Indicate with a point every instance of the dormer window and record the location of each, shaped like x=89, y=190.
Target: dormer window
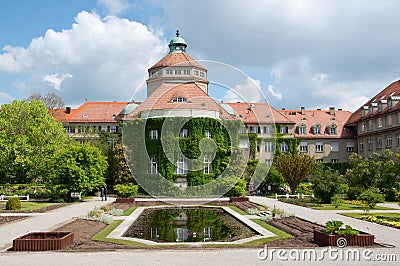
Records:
x=85, y=115
x=317, y=129
x=302, y=129
x=332, y=128
x=179, y=100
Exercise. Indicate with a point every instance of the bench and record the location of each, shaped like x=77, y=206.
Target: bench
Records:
x=76, y=195
x=299, y=196
x=23, y=198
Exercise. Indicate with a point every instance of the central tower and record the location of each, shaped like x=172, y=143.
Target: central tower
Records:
x=176, y=67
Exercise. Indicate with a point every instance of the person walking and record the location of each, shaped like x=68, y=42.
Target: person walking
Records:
x=105, y=192
x=102, y=193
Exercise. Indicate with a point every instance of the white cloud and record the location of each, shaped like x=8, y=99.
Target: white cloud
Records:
x=5, y=98
x=115, y=7
x=249, y=92
x=55, y=80
x=97, y=59
x=274, y=93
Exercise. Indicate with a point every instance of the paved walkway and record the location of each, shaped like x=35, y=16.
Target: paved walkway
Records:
x=383, y=234
x=46, y=221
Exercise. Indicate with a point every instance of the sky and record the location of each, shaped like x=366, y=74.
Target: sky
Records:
x=290, y=53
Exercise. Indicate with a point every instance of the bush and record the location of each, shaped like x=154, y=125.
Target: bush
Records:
x=371, y=197
x=336, y=201
x=126, y=190
x=327, y=184
x=13, y=204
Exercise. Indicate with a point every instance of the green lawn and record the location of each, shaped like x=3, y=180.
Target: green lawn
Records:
x=347, y=206
x=31, y=205
x=129, y=211
x=236, y=209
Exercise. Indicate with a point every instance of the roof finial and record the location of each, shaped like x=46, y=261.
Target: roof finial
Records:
x=177, y=33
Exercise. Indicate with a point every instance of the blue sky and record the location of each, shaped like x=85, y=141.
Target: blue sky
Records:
x=298, y=53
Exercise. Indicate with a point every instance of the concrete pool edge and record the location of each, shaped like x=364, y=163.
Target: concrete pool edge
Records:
x=120, y=230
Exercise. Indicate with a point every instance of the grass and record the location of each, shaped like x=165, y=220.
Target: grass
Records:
x=236, y=209
x=32, y=205
x=129, y=211
x=102, y=236
x=346, y=206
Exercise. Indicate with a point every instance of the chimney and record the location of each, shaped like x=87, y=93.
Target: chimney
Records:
x=332, y=110
x=303, y=110
x=67, y=110
x=283, y=108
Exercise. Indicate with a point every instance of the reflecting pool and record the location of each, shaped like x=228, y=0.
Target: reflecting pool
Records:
x=188, y=224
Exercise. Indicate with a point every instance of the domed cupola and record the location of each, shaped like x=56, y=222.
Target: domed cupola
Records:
x=177, y=44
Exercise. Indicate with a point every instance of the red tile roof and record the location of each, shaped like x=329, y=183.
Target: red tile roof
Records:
x=320, y=117
x=195, y=97
x=391, y=90
x=176, y=59
x=92, y=112
x=255, y=113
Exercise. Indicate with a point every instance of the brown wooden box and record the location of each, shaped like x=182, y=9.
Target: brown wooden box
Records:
x=361, y=240
x=43, y=241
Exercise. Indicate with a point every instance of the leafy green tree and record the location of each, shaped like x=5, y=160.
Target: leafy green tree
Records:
x=274, y=179
x=371, y=196
x=119, y=172
x=29, y=137
x=294, y=167
x=79, y=168
x=327, y=184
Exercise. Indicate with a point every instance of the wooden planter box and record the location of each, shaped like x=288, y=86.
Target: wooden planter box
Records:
x=125, y=200
x=238, y=199
x=361, y=240
x=43, y=241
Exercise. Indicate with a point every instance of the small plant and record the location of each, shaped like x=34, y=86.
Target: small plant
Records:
x=277, y=213
x=334, y=227
x=336, y=201
x=252, y=211
x=13, y=204
x=126, y=190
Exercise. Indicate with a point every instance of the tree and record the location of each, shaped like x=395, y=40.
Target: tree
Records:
x=294, y=167
x=327, y=184
x=274, y=179
x=118, y=170
x=51, y=100
x=29, y=137
x=371, y=197
x=79, y=168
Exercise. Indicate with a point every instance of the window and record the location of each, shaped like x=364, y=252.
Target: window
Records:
x=169, y=72
x=208, y=134
x=267, y=129
x=334, y=160
x=69, y=129
x=350, y=146
x=389, y=120
x=283, y=130
x=268, y=146
x=242, y=130
x=153, y=134
x=302, y=129
x=390, y=104
x=244, y=143
x=379, y=122
x=332, y=130
x=303, y=146
x=207, y=164
x=370, y=125
x=152, y=169
x=202, y=74
x=186, y=72
x=178, y=71
x=254, y=129
x=284, y=147
x=179, y=100
x=398, y=139
x=183, y=133
x=370, y=144
x=378, y=142
x=113, y=129
x=389, y=141
x=181, y=165
x=319, y=147
x=196, y=72
x=362, y=127
x=361, y=144
x=258, y=147
x=335, y=146
x=269, y=161
x=317, y=129
x=319, y=160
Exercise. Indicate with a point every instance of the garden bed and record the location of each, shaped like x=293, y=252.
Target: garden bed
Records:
x=8, y=219
x=43, y=241
x=361, y=240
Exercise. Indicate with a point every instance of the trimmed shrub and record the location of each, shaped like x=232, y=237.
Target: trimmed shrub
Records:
x=13, y=204
x=126, y=191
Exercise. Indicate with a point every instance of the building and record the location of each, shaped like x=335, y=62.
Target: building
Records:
x=177, y=86
x=377, y=122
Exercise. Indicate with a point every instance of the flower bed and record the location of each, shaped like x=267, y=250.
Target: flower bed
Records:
x=383, y=221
